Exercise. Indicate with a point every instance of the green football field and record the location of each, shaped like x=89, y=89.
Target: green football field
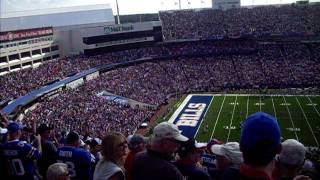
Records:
x=298, y=116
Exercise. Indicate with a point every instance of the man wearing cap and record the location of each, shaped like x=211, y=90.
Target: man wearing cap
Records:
x=290, y=161
x=3, y=140
x=259, y=143
x=155, y=162
x=49, y=150
x=136, y=144
x=94, y=148
x=79, y=161
x=208, y=158
x=189, y=162
x=228, y=159
x=20, y=156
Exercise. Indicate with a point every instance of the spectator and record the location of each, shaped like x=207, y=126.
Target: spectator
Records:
x=114, y=151
x=49, y=150
x=58, y=171
x=189, y=162
x=228, y=159
x=290, y=161
x=3, y=134
x=79, y=161
x=19, y=155
x=209, y=159
x=137, y=143
x=259, y=143
x=155, y=162
x=95, y=148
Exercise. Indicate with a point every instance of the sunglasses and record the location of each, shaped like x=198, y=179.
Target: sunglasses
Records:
x=65, y=173
x=123, y=144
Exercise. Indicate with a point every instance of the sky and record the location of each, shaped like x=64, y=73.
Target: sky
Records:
x=125, y=6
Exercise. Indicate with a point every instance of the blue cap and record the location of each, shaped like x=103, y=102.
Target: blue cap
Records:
x=14, y=127
x=259, y=128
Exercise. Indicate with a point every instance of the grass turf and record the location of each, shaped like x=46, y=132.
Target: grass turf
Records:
x=298, y=116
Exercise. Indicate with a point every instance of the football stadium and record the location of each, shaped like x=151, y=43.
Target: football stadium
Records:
x=168, y=89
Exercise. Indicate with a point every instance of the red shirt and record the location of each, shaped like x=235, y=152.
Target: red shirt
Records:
x=128, y=164
x=249, y=173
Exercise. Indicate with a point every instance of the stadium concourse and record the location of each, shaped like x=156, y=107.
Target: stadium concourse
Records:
x=244, y=61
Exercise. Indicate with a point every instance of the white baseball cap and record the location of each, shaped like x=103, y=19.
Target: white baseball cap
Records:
x=292, y=152
x=230, y=151
x=168, y=130
x=3, y=130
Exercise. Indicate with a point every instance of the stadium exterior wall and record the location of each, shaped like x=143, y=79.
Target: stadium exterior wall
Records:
x=66, y=23
x=67, y=16
x=70, y=40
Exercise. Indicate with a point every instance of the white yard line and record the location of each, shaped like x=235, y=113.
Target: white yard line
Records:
x=215, y=125
x=247, y=107
x=314, y=106
x=290, y=117
x=260, y=103
x=203, y=117
x=305, y=117
x=274, y=108
x=234, y=107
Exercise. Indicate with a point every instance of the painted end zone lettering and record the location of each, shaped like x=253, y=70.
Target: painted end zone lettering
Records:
x=189, y=115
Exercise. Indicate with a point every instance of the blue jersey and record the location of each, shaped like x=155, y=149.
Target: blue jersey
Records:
x=19, y=157
x=208, y=161
x=80, y=162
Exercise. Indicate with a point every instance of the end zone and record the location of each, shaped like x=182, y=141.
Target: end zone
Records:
x=189, y=116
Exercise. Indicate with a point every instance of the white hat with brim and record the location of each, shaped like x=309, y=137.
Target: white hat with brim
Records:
x=98, y=140
x=180, y=137
x=200, y=145
x=3, y=130
x=230, y=151
x=168, y=130
x=217, y=149
x=292, y=153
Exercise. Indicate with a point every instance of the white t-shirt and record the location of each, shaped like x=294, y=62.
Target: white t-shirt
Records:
x=105, y=169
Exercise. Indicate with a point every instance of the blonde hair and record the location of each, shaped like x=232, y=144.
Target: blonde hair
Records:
x=56, y=170
x=110, y=144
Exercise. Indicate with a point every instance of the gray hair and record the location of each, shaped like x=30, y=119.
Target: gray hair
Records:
x=56, y=170
x=292, y=153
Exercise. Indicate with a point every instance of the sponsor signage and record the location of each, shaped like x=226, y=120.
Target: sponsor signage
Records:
x=189, y=117
x=118, y=28
x=24, y=34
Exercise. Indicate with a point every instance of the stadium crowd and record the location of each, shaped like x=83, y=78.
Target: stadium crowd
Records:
x=272, y=66
x=246, y=55
x=21, y=82
x=69, y=135
x=166, y=154
x=83, y=111
x=259, y=21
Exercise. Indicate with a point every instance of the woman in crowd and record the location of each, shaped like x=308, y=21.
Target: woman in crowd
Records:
x=114, y=151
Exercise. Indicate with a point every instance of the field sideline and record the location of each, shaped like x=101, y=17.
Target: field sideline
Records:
x=298, y=116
